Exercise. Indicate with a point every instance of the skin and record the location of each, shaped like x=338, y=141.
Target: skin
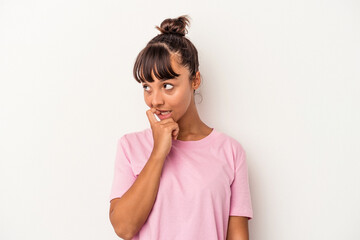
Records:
x=238, y=228
x=177, y=95
x=183, y=124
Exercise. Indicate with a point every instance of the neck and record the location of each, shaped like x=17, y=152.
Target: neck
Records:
x=191, y=125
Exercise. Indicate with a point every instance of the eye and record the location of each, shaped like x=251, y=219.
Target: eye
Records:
x=170, y=85
x=144, y=86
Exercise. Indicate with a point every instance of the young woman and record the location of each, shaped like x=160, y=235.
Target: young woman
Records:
x=180, y=178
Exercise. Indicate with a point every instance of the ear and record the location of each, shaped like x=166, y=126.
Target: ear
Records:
x=196, y=81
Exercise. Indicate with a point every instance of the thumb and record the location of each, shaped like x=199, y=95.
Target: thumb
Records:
x=176, y=133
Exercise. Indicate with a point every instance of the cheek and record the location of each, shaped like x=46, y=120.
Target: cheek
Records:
x=147, y=100
x=181, y=100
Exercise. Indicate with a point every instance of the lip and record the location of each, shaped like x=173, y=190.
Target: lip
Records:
x=158, y=111
x=164, y=116
x=162, y=110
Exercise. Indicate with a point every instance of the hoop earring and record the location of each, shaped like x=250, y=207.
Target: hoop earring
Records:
x=197, y=95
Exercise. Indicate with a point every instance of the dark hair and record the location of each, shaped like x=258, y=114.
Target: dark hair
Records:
x=156, y=55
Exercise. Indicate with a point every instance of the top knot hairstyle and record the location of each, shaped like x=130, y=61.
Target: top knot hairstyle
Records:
x=174, y=26
x=156, y=56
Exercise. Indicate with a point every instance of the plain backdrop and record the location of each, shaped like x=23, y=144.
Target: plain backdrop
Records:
x=282, y=77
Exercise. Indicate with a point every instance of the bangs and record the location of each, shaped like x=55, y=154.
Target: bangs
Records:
x=156, y=59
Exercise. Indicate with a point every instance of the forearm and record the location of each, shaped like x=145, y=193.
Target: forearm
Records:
x=238, y=228
x=133, y=208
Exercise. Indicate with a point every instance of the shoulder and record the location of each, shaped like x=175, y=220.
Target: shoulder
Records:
x=136, y=136
x=232, y=149
x=138, y=139
x=137, y=146
x=230, y=141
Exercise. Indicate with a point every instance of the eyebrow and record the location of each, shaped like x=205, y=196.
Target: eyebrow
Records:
x=161, y=80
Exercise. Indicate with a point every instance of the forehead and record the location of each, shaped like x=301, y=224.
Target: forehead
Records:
x=175, y=63
x=176, y=66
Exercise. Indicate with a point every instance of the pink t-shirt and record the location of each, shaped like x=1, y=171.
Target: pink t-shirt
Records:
x=202, y=183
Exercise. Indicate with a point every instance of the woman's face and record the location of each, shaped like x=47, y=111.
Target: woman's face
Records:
x=173, y=95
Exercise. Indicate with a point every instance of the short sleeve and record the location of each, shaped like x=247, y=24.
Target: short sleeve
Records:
x=123, y=174
x=240, y=202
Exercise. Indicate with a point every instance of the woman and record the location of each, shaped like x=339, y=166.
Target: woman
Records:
x=180, y=178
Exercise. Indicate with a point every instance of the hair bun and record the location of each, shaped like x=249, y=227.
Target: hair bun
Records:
x=174, y=25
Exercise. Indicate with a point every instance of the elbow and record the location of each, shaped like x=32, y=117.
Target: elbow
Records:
x=120, y=229
x=121, y=224
x=124, y=235
x=123, y=232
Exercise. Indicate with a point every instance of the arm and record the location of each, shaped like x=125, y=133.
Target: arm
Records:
x=238, y=228
x=129, y=213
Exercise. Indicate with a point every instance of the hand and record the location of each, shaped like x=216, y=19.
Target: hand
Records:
x=163, y=131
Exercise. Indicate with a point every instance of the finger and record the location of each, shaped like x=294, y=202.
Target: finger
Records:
x=167, y=120
x=150, y=115
x=176, y=132
x=173, y=127
x=157, y=117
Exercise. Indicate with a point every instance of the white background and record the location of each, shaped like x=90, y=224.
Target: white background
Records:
x=282, y=77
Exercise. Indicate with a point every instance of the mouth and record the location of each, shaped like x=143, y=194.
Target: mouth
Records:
x=163, y=114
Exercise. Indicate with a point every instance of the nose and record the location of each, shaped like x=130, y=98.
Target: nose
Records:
x=157, y=99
